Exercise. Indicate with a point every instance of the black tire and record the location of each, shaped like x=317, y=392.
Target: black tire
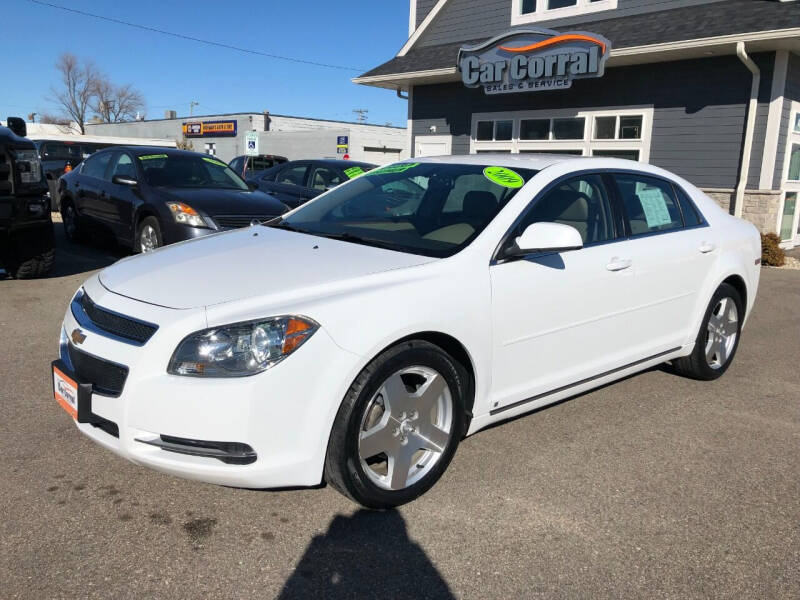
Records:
x=152, y=223
x=343, y=468
x=696, y=365
x=31, y=254
x=73, y=229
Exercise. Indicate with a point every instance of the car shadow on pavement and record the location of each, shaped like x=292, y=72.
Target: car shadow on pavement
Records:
x=95, y=253
x=366, y=555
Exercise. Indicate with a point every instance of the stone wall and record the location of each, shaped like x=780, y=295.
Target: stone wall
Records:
x=760, y=206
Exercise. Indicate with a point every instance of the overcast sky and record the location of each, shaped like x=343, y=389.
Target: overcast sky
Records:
x=171, y=72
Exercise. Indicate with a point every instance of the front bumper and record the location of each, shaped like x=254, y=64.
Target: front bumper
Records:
x=282, y=416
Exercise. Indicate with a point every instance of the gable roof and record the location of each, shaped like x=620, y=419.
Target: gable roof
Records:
x=673, y=29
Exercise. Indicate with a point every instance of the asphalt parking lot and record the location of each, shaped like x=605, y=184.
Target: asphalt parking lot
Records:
x=656, y=487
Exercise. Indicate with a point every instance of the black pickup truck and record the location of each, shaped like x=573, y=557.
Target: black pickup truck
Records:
x=27, y=244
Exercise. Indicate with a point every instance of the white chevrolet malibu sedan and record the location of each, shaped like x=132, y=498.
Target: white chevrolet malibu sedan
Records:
x=359, y=338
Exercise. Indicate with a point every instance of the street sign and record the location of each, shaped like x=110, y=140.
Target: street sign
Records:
x=251, y=143
x=342, y=140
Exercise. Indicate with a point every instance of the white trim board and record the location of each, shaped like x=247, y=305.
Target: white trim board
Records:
x=422, y=27
x=774, y=120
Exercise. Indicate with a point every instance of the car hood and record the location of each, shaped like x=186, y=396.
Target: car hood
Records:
x=249, y=262
x=226, y=202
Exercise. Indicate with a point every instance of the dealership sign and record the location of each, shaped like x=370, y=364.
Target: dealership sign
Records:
x=209, y=129
x=531, y=60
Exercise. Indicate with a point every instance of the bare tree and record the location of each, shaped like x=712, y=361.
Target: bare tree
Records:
x=114, y=104
x=79, y=82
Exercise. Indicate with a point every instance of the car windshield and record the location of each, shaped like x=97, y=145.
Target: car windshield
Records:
x=189, y=171
x=433, y=209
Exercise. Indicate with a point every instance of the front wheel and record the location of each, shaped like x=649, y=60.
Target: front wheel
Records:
x=718, y=338
x=148, y=237
x=398, y=427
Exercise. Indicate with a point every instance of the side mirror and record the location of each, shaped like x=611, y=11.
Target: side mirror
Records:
x=17, y=125
x=123, y=180
x=546, y=237
x=252, y=185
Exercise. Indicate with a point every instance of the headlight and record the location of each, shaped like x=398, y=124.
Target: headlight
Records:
x=29, y=167
x=240, y=349
x=185, y=214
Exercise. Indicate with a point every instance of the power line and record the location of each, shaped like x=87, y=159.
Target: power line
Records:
x=195, y=39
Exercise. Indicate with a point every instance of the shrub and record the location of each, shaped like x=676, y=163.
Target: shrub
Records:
x=771, y=252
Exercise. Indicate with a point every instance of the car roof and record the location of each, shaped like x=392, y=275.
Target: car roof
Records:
x=144, y=150
x=542, y=161
x=332, y=162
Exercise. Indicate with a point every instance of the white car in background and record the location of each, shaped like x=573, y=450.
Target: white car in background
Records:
x=356, y=340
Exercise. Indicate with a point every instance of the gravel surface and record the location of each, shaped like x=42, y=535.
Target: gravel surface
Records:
x=652, y=487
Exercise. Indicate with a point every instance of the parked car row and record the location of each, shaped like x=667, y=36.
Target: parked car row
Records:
x=146, y=197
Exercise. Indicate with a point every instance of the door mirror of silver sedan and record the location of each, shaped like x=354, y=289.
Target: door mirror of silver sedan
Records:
x=546, y=237
x=124, y=180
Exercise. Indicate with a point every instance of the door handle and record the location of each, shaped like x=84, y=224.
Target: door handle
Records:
x=619, y=264
x=706, y=247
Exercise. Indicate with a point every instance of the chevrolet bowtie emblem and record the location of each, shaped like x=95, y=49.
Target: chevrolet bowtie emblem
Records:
x=77, y=336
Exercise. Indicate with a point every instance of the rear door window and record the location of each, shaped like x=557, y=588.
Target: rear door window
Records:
x=293, y=175
x=96, y=166
x=650, y=203
x=324, y=178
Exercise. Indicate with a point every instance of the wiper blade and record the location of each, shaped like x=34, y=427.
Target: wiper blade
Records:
x=281, y=224
x=357, y=239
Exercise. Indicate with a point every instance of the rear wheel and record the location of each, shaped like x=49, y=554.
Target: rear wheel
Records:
x=398, y=427
x=72, y=225
x=148, y=236
x=718, y=338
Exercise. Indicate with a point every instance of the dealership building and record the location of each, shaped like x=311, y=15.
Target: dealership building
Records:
x=225, y=136
x=708, y=89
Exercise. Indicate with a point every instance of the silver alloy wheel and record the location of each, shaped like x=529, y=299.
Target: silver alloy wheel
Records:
x=723, y=327
x=405, y=427
x=148, y=239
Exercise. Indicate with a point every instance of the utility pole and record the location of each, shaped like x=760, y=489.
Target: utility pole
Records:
x=362, y=114
x=192, y=104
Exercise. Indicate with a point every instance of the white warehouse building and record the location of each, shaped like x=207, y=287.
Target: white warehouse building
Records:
x=223, y=135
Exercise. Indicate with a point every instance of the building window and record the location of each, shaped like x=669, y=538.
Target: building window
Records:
x=569, y=129
x=528, y=11
x=211, y=148
x=622, y=132
x=794, y=163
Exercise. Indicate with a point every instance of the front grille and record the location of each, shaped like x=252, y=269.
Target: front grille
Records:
x=107, y=378
x=237, y=221
x=124, y=327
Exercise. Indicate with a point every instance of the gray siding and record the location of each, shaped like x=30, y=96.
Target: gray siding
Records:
x=699, y=111
x=792, y=93
x=462, y=20
x=423, y=8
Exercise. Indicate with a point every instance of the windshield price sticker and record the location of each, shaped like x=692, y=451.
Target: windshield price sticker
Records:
x=401, y=168
x=353, y=172
x=213, y=162
x=152, y=156
x=504, y=177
